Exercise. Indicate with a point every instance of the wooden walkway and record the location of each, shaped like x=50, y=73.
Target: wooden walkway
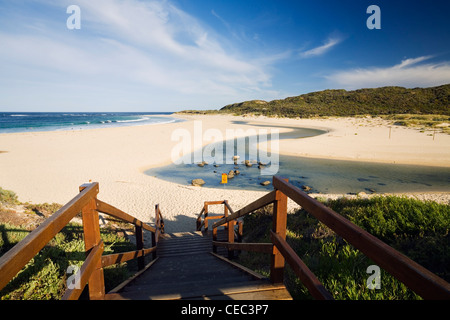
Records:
x=186, y=268
x=184, y=265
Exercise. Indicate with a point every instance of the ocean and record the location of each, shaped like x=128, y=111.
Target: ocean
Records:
x=11, y=122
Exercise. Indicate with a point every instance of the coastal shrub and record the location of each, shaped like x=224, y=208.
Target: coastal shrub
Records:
x=44, y=277
x=418, y=229
x=337, y=103
x=8, y=197
x=42, y=209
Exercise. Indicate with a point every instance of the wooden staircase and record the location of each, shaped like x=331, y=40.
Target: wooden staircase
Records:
x=192, y=265
x=186, y=268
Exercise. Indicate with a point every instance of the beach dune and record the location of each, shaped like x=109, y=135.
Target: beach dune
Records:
x=49, y=166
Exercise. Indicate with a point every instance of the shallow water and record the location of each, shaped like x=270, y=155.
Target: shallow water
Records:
x=321, y=175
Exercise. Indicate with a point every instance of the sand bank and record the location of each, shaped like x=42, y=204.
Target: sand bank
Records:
x=49, y=166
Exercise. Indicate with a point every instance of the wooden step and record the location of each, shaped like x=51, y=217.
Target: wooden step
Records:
x=186, y=243
x=186, y=269
x=255, y=290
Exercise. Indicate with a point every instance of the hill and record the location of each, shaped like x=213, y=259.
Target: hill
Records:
x=377, y=101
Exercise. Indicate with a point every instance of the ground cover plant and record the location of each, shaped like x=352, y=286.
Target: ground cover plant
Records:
x=418, y=229
x=45, y=276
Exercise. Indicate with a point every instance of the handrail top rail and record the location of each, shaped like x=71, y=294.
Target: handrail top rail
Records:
x=110, y=210
x=415, y=276
x=19, y=255
x=393, y=261
x=255, y=205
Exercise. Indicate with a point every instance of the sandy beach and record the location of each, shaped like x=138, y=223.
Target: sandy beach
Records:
x=49, y=166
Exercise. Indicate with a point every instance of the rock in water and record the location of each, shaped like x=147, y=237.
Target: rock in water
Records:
x=265, y=183
x=202, y=164
x=198, y=182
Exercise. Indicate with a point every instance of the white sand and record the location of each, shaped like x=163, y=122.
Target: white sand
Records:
x=49, y=166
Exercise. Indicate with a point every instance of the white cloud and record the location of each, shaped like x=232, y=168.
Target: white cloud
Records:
x=318, y=51
x=152, y=44
x=409, y=73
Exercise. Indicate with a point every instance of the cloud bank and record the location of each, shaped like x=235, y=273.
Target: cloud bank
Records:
x=409, y=73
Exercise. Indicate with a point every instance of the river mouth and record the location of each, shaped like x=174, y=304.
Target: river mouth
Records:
x=317, y=175
x=314, y=175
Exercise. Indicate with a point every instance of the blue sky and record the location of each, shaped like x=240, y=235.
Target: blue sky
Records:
x=136, y=55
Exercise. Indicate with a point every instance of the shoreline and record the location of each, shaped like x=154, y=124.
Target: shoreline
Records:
x=49, y=166
x=371, y=129
x=59, y=121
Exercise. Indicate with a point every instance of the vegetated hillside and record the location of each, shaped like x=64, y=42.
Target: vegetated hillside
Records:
x=378, y=101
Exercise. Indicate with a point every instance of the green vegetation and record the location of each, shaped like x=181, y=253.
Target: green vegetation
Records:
x=418, y=229
x=8, y=197
x=422, y=121
x=376, y=102
x=45, y=277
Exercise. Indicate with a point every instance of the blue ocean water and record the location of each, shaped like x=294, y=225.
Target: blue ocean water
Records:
x=55, y=121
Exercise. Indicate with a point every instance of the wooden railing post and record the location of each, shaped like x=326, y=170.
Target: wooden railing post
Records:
x=91, y=230
x=154, y=234
x=140, y=246
x=278, y=227
x=230, y=231
x=214, y=235
x=206, y=215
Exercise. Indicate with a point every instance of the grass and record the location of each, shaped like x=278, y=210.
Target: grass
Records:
x=417, y=229
x=45, y=276
x=8, y=197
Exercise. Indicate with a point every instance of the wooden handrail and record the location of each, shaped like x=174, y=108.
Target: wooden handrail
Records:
x=159, y=223
x=305, y=275
x=91, y=272
x=231, y=211
x=17, y=257
x=86, y=271
x=204, y=212
x=255, y=205
x=111, y=259
x=117, y=213
x=420, y=280
x=413, y=275
x=159, y=227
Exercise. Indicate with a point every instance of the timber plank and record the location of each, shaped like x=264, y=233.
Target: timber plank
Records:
x=258, y=290
x=185, y=269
